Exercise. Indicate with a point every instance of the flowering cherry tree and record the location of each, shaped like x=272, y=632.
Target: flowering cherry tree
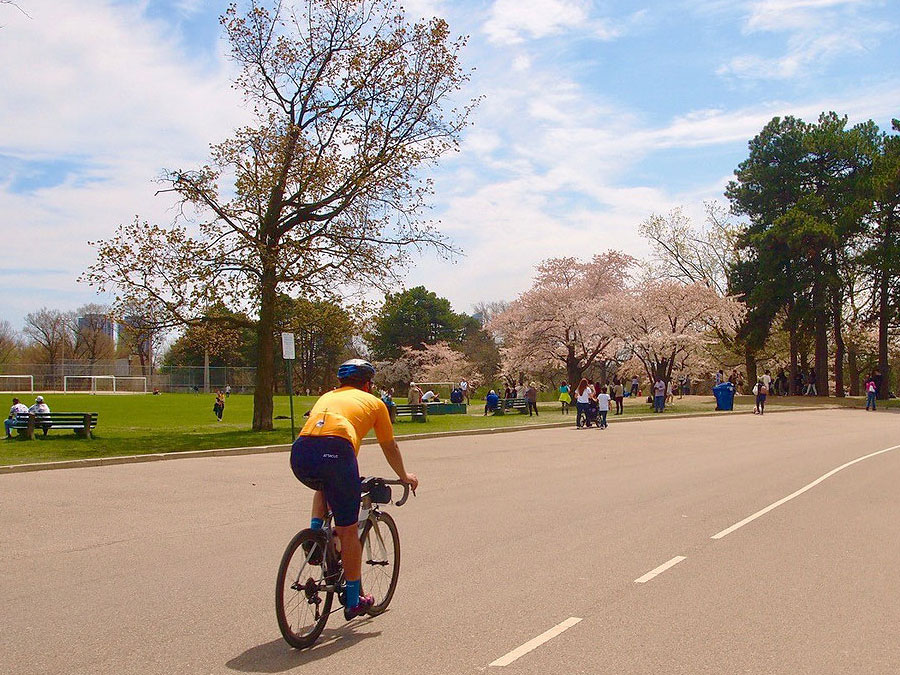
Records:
x=560, y=321
x=434, y=363
x=668, y=325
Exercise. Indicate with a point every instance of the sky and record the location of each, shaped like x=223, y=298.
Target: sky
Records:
x=595, y=116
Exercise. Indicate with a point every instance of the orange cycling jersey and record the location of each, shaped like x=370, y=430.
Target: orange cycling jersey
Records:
x=349, y=413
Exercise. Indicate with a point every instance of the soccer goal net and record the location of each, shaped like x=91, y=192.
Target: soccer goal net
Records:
x=89, y=383
x=130, y=385
x=13, y=383
x=111, y=384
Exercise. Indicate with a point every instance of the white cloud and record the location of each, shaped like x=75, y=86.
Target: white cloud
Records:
x=514, y=21
x=780, y=15
x=97, y=84
x=418, y=9
x=558, y=188
x=190, y=7
x=819, y=32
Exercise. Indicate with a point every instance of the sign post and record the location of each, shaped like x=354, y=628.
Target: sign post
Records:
x=287, y=353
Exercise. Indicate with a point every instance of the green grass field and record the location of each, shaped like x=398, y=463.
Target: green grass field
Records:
x=142, y=424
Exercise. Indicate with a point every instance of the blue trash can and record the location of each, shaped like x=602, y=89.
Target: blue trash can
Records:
x=724, y=394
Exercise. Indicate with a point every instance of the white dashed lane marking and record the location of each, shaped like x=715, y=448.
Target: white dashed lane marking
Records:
x=659, y=570
x=531, y=645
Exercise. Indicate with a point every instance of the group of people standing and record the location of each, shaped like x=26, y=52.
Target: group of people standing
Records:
x=592, y=401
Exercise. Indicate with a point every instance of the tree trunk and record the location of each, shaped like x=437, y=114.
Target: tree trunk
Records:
x=840, y=349
x=793, y=348
x=573, y=366
x=750, y=364
x=821, y=346
x=265, y=365
x=853, y=367
x=884, y=318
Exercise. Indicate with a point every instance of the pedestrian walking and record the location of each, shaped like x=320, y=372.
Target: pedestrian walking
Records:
x=871, y=393
x=464, y=387
x=531, y=397
x=659, y=395
x=565, y=398
x=583, y=396
x=761, y=391
x=619, y=396
x=635, y=386
x=219, y=405
x=603, y=406
x=811, y=387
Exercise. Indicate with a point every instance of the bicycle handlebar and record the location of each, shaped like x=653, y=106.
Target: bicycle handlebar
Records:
x=405, y=496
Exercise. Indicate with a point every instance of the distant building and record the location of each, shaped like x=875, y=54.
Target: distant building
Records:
x=97, y=322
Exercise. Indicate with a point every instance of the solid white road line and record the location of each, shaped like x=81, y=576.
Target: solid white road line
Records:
x=518, y=652
x=799, y=492
x=659, y=570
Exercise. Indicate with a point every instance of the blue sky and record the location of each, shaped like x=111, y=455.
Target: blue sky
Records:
x=595, y=116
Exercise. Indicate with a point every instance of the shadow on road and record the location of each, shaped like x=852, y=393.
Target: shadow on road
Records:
x=277, y=657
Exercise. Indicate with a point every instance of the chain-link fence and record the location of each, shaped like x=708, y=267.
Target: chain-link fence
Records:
x=75, y=375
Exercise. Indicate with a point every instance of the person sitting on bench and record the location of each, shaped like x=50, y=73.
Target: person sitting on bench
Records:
x=491, y=402
x=17, y=408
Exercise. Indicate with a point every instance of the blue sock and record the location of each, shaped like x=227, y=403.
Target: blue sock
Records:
x=316, y=524
x=353, y=594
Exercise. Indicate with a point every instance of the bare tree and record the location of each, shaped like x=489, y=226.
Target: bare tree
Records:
x=51, y=331
x=690, y=253
x=487, y=310
x=326, y=187
x=9, y=342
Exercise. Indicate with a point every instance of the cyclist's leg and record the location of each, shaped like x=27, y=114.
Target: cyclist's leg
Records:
x=342, y=492
x=305, y=464
x=319, y=507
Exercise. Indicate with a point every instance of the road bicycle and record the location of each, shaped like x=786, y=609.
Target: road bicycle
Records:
x=311, y=573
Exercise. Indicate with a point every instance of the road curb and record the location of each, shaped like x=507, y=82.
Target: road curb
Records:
x=264, y=449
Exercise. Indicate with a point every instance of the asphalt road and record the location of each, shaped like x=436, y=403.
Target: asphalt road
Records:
x=169, y=567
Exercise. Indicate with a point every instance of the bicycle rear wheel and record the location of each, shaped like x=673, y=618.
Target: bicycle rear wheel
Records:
x=380, y=560
x=302, y=599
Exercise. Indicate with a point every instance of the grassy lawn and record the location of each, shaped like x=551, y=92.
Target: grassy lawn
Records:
x=141, y=424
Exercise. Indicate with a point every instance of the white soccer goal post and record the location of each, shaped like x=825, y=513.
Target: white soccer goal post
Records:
x=14, y=383
x=136, y=384
x=108, y=383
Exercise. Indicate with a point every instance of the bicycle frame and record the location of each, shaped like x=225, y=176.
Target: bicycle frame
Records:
x=368, y=512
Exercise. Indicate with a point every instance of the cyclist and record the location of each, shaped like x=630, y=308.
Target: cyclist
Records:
x=324, y=458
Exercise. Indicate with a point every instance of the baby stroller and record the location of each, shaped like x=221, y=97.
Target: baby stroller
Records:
x=592, y=414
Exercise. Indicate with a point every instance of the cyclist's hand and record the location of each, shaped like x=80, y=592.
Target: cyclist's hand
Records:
x=412, y=480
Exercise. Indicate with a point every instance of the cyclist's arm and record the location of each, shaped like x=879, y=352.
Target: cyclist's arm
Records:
x=392, y=454
x=384, y=432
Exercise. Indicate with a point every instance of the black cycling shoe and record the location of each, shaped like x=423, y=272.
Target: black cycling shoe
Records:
x=365, y=604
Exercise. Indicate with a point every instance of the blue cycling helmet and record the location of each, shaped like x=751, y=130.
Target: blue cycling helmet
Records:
x=357, y=370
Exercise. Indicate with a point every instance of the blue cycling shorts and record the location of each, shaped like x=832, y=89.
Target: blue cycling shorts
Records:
x=328, y=463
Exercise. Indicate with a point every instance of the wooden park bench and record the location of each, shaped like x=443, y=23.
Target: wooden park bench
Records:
x=80, y=423
x=417, y=411
x=507, y=404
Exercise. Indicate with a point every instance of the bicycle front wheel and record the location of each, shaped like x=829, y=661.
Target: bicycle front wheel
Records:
x=380, y=560
x=302, y=595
